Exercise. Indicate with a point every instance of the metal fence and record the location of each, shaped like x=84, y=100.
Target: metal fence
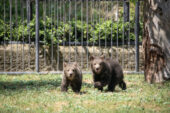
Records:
x=38, y=36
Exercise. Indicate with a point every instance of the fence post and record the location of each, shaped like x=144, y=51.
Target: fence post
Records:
x=125, y=32
x=137, y=36
x=37, y=36
x=126, y=10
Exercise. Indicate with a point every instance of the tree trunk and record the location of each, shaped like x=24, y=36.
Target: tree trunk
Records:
x=156, y=40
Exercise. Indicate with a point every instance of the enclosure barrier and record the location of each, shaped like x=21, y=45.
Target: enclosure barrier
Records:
x=45, y=33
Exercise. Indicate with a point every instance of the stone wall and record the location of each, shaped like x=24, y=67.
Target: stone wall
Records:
x=21, y=58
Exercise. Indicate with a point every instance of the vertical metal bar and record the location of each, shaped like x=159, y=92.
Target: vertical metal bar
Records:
x=69, y=28
x=91, y=9
x=54, y=21
x=87, y=29
x=126, y=18
x=49, y=8
x=105, y=24
x=29, y=33
x=11, y=34
x=44, y=18
x=102, y=21
x=37, y=35
x=117, y=37
x=123, y=37
x=64, y=38
x=57, y=37
x=28, y=30
x=57, y=13
x=60, y=11
x=92, y=21
x=16, y=19
x=75, y=30
x=23, y=39
x=107, y=18
x=54, y=13
x=126, y=10
x=129, y=39
x=51, y=35
x=137, y=36
x=4, y=36
x=111, y=30
x=82, y=34
x=99, y=25
x=31, y=9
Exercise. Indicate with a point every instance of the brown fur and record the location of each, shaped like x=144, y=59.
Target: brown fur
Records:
x=106, y=72
x=72, y=76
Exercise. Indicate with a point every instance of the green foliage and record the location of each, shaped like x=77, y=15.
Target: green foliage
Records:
x=60, y=32
x=4, y=32
x=133, y=1
x=50, y=31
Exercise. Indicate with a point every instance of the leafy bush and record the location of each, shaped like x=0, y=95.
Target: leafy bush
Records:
x=66, y=31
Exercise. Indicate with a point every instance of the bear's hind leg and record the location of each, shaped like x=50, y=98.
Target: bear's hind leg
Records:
x=101, y=88
x=111, y=86
x=122, y=84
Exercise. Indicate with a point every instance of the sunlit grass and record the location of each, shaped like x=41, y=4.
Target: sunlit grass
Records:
x=41, y=93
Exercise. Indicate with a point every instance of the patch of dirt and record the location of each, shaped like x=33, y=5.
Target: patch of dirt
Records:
x=88, y=81
x=152, y=106
x=58, y=106
x=89, y=102
x=131, y=83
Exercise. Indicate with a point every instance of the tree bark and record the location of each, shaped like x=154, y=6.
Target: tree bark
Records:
x=156, y=40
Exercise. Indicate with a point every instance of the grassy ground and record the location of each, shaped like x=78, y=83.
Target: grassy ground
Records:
x=41, y=93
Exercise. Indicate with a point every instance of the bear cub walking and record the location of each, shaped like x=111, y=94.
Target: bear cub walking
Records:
x=106, y=72
x=72, y=76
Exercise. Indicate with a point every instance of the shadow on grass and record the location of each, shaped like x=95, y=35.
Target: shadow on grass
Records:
x=105, y=90
x=31, y=84
x=88, y=85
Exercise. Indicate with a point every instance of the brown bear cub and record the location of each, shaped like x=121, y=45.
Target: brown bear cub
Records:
x=72, y=76
x=106, y=72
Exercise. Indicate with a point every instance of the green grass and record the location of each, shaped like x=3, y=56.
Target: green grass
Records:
x=41, y=94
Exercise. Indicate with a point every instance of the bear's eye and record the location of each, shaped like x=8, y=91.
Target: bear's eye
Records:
x=73, y=69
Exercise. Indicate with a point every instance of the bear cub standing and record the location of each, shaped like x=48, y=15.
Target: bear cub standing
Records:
x=106, y=72
x=72, y=76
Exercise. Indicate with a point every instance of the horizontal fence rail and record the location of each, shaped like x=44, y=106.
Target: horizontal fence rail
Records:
x=38, y=36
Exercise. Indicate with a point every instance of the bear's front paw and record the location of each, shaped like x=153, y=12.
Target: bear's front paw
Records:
x=97, y=84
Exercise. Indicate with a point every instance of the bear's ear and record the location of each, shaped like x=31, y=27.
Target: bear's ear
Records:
x=102, y=57
x=75, y=64
x=91, y=58
x=64, y=64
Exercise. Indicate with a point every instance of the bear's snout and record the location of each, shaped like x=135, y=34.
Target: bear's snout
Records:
x=71, y=74
x=97, y=67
